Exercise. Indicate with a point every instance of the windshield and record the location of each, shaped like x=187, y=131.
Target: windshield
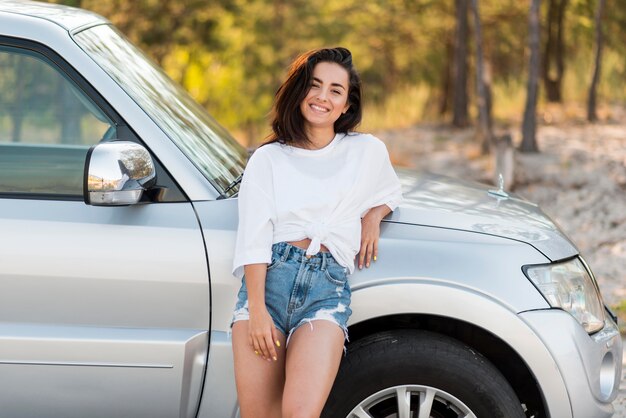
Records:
x=205, y=142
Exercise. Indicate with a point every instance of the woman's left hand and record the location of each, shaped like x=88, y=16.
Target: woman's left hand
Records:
x=370, y=231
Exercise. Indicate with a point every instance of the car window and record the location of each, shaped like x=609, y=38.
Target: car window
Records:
x=47, y=125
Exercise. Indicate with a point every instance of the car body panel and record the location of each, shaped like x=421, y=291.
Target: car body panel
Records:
x=59, y=371
x=219, y=398
x=588, y=364
x=452, y=257
x=113, y=300
x=437, y=200
x=138, y=266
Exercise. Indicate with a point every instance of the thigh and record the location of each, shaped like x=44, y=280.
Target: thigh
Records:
x=313, y=357
x=259, y=382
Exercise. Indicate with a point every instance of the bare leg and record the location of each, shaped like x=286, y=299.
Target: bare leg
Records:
x=259, y=382
x=313, y=359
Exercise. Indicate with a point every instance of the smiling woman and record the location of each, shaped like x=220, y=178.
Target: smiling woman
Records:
x=327, y=99
x=327, y=80
x=311, y=198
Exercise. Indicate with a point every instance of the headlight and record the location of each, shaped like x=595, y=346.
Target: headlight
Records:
x=569, y=286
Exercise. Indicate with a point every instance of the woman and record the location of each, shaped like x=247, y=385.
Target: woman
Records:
x=310, y=200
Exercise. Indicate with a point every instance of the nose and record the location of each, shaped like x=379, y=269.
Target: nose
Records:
x=322, y=95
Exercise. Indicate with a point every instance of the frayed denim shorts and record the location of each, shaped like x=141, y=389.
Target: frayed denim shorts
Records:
x=300, y=290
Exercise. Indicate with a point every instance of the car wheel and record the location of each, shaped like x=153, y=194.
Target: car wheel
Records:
x=418, y=374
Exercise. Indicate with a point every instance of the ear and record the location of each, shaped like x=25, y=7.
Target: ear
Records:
x=345, y=109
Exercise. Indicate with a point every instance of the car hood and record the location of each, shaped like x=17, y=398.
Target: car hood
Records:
x=440, y=201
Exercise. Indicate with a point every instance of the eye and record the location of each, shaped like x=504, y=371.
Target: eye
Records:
x=337, y=91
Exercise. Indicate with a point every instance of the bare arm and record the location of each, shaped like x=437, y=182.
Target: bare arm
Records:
x=370, y=232
x=261, y=329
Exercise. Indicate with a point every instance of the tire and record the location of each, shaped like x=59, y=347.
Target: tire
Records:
x=405, y=367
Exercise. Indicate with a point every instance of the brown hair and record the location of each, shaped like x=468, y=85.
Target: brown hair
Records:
x=287, y=119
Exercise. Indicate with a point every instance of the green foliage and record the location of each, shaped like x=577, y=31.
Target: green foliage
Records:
x=232, y=54
x=620, y=311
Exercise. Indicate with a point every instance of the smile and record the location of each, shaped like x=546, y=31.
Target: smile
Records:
x=317, y=108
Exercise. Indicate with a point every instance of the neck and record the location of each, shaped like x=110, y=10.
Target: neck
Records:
x=320, y=137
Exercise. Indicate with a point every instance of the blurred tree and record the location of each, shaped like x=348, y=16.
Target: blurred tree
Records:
x=397, y=47
x=19, y=102
x=68, y=113
x=591, y=102
x=484, y=131
x=446, y=82
x=232, y=54
x=459, y=110
x=529, y=126
x=390, y=41
x=553, y=58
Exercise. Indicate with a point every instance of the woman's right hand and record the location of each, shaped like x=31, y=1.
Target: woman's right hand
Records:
x=262, y=334
x=261, y=330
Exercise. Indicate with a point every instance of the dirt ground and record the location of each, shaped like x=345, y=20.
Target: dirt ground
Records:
x=578, y=179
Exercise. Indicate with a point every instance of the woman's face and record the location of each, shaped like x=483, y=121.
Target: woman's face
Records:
x=327, y=98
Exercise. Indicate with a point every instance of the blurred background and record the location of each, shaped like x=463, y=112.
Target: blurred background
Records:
x=471, y=88
x=231, y=55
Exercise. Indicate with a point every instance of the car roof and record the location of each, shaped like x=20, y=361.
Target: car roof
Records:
x=69, y=18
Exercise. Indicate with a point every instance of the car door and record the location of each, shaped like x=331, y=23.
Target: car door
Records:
x=104, y=311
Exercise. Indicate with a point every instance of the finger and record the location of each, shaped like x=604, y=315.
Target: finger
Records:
x=271, y=346
x=251, y=342
x=264, y=349
x=275, y=336
x=375, y=250
x=265, y=340
x=362, y=254
x=370, y=251
x=257, y=348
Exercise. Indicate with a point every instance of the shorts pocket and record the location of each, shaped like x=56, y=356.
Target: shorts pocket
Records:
x=276, y=261
x=336, y=274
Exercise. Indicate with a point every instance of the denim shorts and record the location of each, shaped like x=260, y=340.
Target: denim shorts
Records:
x=300, y=290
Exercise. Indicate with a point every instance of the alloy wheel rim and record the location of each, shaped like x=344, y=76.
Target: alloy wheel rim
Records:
x=411, y=401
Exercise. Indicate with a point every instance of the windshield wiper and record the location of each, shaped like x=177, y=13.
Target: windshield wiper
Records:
x=230, y=187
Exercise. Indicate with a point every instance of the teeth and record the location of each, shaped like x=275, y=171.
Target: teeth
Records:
x=319, y=108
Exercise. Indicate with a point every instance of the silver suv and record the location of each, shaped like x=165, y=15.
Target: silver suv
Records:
x=118, y=211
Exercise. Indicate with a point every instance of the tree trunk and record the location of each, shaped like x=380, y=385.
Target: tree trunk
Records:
x=553, y=59
x=446, y=81
x=591, y=103
x=68, y=114
x=529, y=126
x=460, y=117
x=485, y=134
x=390, y=76
x=19, y=105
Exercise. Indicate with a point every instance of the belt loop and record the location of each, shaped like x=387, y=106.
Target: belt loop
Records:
x=324, y=255
x=285, y=253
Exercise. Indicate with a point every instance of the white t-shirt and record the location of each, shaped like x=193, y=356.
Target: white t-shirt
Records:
x=289, y=194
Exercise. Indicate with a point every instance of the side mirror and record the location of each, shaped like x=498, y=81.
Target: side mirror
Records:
x=117, y=173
